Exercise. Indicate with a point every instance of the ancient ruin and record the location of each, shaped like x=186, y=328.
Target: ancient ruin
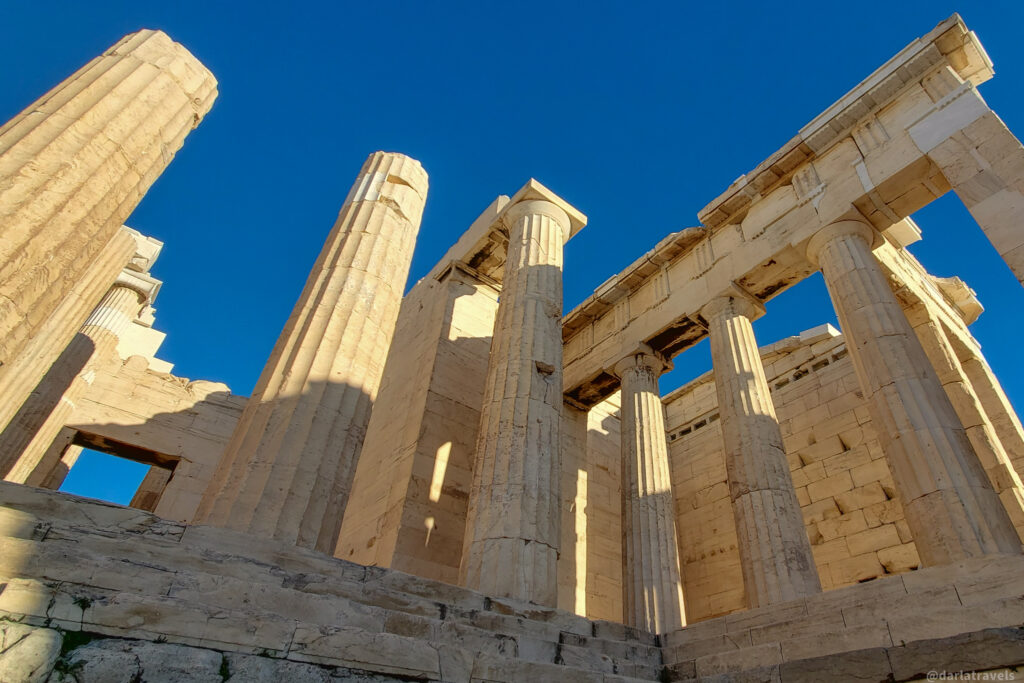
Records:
x=467, y=483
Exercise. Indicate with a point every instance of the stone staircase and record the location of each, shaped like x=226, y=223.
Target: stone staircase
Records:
x=86, y=566
x=91, y=591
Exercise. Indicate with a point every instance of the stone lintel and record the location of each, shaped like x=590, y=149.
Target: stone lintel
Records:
x=456, y=266
x=482, y=246
x=948, y=44
x=630, y=278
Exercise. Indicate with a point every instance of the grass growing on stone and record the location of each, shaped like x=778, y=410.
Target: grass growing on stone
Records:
x=71, y=640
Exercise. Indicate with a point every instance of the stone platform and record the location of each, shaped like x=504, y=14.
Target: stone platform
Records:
x=91, y=591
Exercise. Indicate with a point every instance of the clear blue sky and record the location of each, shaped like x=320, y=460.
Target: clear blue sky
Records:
x=637, y=113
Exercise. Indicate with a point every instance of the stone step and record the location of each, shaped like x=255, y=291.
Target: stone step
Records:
x=153, y=572
x=27, y=511
x=163, y=569
x=400, y=644
x=887, y=615
x=190, y=578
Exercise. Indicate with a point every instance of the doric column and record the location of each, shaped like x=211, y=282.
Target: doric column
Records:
x=48, y=408
x=512, y=530
x=951, y=508
x=976, y=424
x=997, y=405
x=61, y=326
x=287, y=469
x=652, y=590
x=775, y=552
x=76, y=163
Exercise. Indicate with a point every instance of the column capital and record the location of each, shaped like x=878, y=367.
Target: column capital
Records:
x=534, y=198
x=839, y=229
x=643, y=357
x=143, y=284
x=736, y=299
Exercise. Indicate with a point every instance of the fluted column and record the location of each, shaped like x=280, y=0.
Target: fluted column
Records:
x=997, y=405
x=30, y=434
x=60, y=327
x=287, y=470
x=976, y=424
x=512, y=528
x=775, y=553
x=76, y=163
x=652, y=590
x=951, y=508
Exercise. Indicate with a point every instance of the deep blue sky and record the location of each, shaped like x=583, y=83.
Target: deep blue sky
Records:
x=637, y=113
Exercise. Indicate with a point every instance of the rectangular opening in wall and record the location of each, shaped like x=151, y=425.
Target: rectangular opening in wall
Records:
x=104, y=477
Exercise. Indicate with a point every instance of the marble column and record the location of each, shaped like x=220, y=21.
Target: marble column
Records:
x=775, y=553
x=976, y=424
x=996, y=403
x=951, y=508
x=512, y=530
x=61, y=326
x=287, y=470
x=48, y=409
x=76, y=163
x=652, y=591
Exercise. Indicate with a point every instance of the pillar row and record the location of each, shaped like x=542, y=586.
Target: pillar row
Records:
x=513, y=523
x=775, y=553
x=652, y=590
x=951, y=508
x=288, y=467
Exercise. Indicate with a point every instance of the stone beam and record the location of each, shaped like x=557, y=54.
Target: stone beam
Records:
x=866, y=157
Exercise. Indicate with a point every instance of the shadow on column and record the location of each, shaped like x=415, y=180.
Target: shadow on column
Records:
x=43, y=399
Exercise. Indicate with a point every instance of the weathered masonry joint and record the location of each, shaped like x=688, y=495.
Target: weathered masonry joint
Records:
x=464, y=482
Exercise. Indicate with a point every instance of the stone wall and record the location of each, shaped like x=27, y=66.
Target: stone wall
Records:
x=854, y=521
x=408, y=503
x=604, y=512
x=99, y=592
x=180, y=424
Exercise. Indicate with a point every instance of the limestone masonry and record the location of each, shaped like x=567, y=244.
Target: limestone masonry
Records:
x=465, y=483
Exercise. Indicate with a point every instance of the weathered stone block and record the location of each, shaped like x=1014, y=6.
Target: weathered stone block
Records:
x=986, y=649
x=353, y=647
x=27, y=654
